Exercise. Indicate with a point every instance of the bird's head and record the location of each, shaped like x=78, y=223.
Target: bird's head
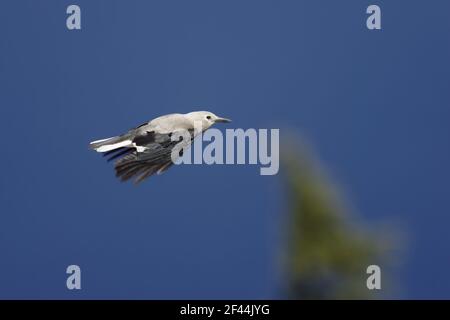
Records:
x=206, y=118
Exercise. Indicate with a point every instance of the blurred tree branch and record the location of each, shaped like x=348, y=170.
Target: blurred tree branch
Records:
x=327, y=253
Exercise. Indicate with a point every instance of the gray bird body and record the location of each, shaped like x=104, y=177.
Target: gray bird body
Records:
x=147, y=149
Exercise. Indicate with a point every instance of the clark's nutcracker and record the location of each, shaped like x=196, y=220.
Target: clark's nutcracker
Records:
x=146, y=149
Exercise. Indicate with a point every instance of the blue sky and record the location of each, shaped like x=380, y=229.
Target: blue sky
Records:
x=374, y=104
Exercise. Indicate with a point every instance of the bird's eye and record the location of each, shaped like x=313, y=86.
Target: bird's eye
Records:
x=208, y=117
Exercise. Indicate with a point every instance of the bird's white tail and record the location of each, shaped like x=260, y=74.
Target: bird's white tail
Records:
x=105, y=145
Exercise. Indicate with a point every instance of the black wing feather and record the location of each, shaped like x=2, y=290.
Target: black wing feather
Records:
x=155, y=159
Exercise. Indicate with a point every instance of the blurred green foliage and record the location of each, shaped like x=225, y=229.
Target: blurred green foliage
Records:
x=328, y=252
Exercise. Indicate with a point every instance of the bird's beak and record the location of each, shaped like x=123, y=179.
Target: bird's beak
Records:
x=225, y=120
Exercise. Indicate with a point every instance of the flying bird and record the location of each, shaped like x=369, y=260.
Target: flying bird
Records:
x=147, y=149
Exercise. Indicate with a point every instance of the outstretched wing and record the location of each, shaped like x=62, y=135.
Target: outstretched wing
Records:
x=152, y=154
